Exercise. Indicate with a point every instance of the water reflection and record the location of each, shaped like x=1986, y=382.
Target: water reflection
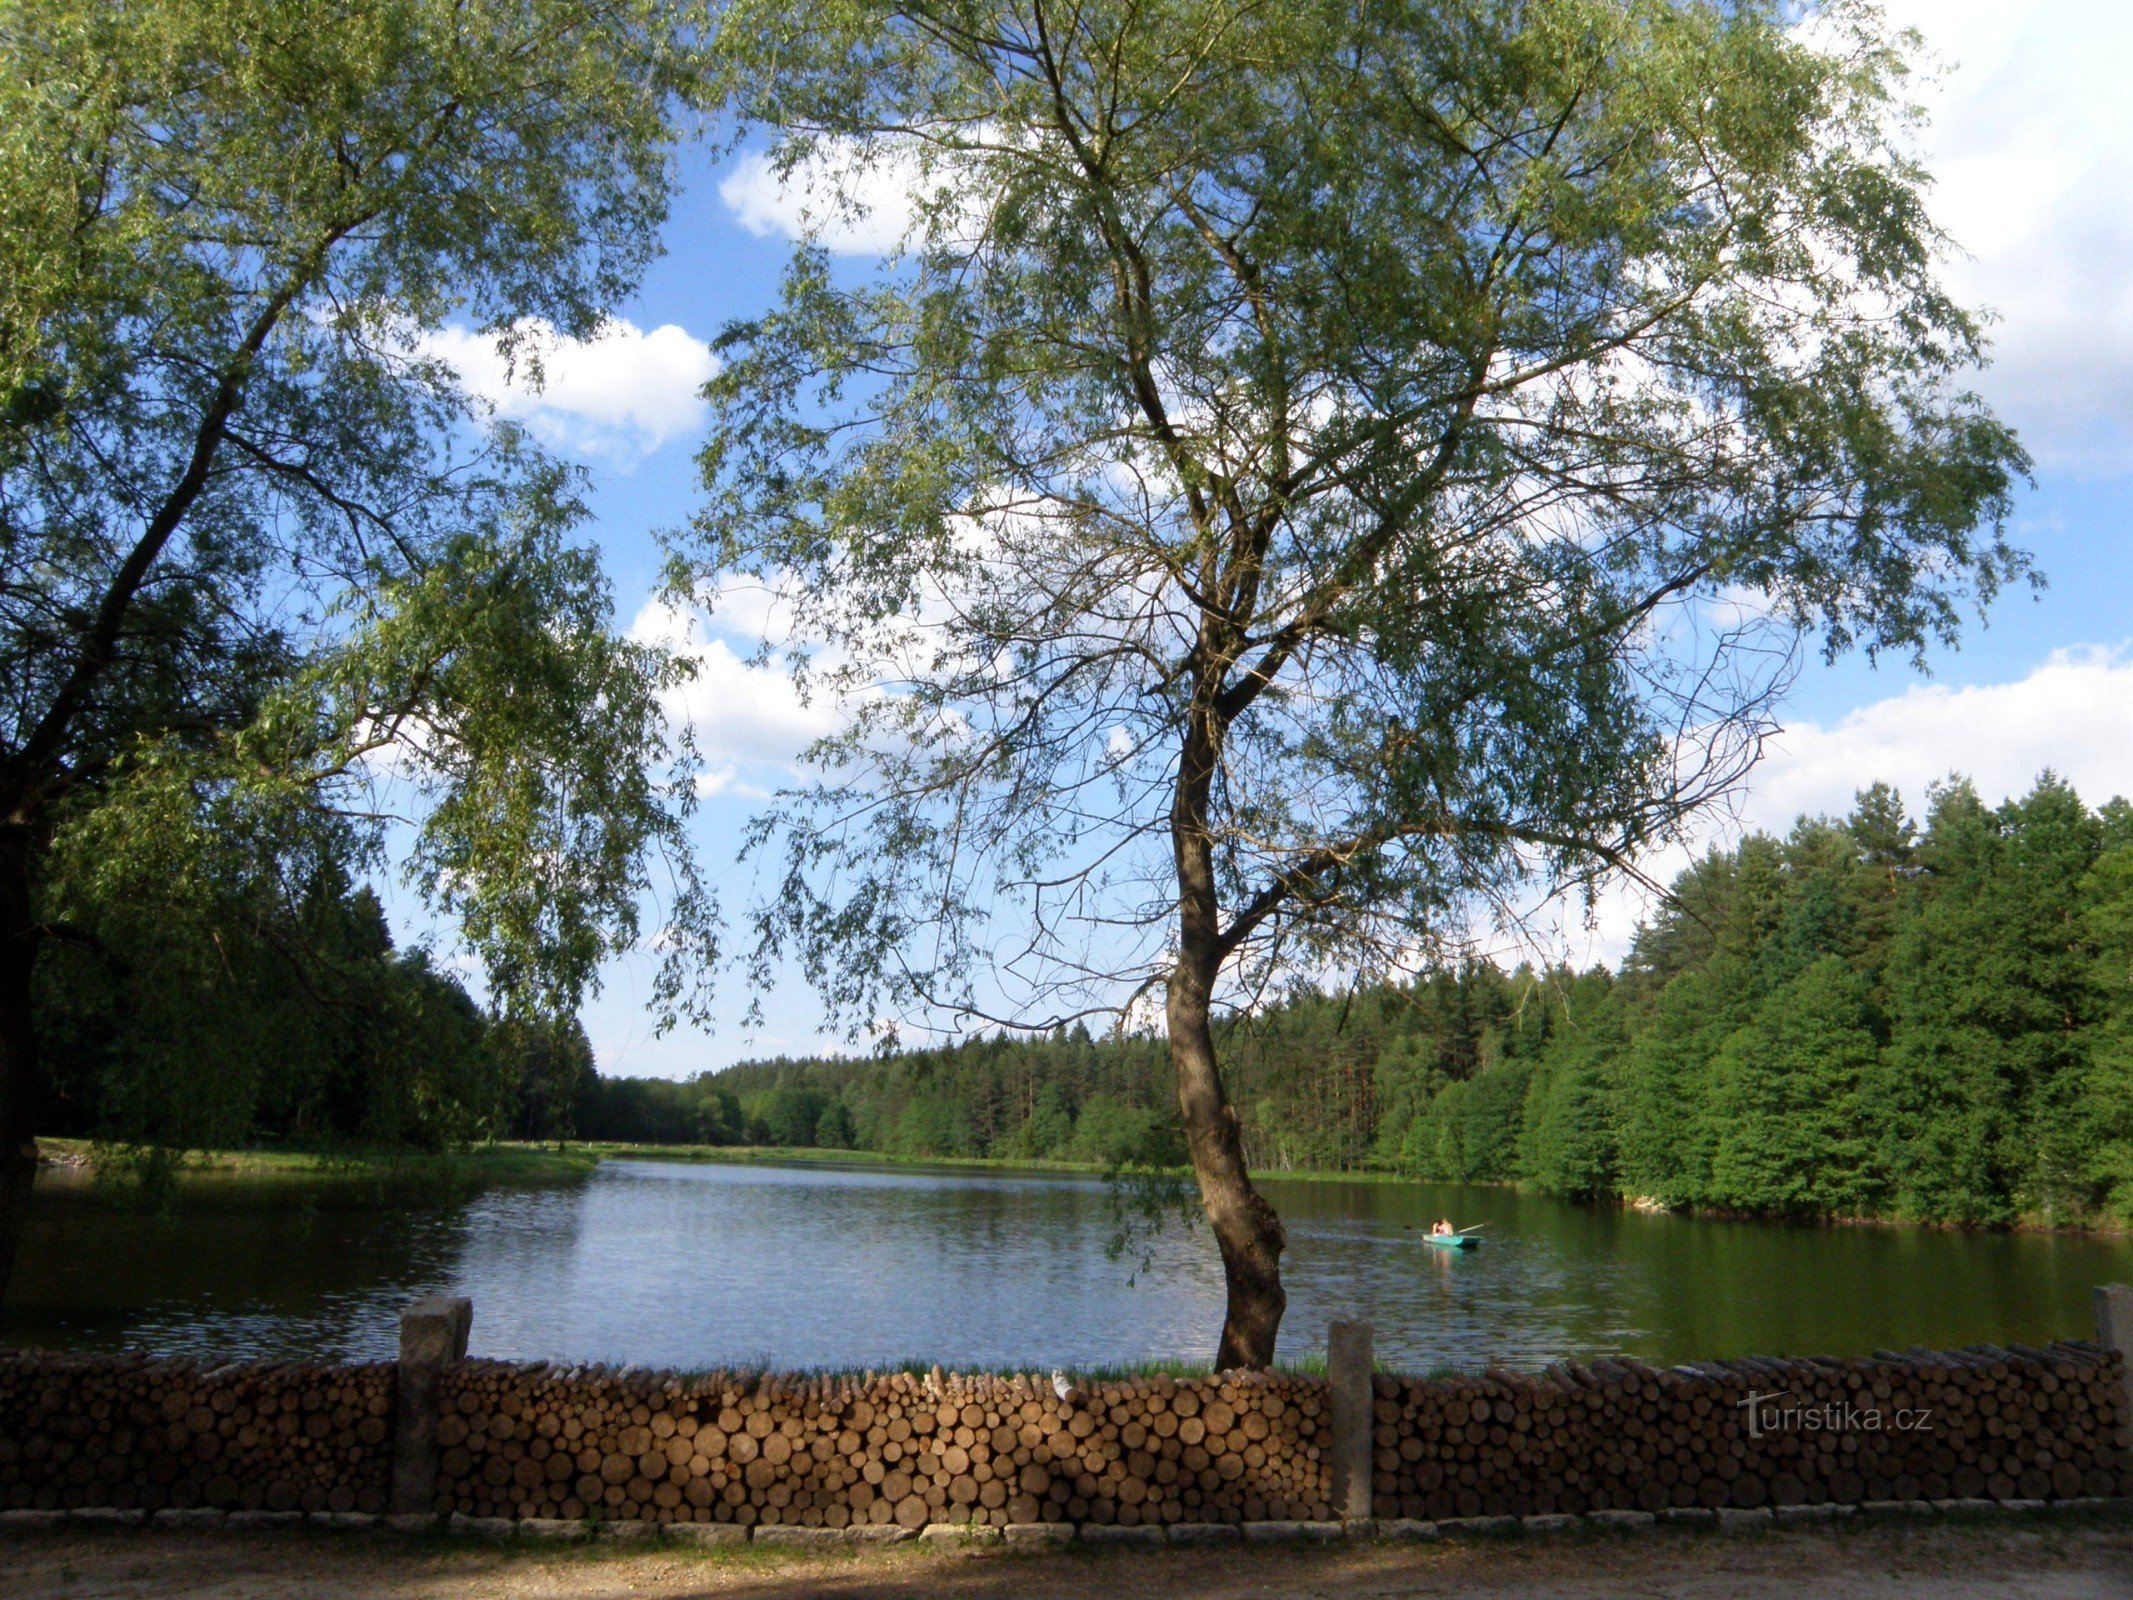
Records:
x=676, y=1264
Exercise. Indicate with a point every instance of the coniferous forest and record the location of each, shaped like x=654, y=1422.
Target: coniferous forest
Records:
x=1871, y=1017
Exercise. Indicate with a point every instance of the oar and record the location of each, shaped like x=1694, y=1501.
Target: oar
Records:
x=1476, y=1228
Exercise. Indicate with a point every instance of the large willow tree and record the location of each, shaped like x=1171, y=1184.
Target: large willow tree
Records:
x=271, y=589
x=1314, y=466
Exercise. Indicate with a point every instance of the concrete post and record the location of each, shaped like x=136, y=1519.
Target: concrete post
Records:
x=433, y=1333
x=1348, y=1376
x=2114, y=1331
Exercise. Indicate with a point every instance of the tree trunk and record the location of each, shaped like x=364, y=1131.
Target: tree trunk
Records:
x=1247, y=1231
x=21, y=1083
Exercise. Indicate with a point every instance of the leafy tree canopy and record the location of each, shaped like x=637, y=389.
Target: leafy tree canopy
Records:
x=271, y=584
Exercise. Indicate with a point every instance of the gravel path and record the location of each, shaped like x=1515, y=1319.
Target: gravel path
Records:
x=1945, y=1562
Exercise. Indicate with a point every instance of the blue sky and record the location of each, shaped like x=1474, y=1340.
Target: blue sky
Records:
x=2029, y=145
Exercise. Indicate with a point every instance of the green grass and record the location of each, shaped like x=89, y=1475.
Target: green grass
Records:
x=491, y=1163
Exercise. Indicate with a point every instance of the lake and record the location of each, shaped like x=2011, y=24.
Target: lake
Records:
x=695, y=1265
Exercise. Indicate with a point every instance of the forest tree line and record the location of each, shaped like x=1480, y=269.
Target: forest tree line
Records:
x=1867, y=1017
x=280, y=1012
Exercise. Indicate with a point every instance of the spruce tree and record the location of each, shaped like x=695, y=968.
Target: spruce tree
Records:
x=1789, y=1106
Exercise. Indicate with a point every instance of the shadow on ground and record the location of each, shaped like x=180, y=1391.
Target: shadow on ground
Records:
x=2092, y=1561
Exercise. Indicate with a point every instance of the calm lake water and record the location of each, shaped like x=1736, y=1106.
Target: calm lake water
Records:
x=687, y=1265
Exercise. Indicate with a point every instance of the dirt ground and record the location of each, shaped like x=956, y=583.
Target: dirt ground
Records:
x=2039, y=1559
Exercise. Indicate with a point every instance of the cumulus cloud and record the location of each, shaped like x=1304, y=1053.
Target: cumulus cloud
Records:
x=745, y=718
x=620, y=394
x=2074, y=714
x=2029, y=145
x=876, y=211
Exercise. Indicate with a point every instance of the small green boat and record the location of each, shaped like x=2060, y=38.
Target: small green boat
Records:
x=1452, y=1241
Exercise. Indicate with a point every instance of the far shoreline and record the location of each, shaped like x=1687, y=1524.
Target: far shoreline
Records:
x=570, y=1161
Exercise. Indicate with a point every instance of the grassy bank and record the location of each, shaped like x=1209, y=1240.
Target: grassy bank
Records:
x=780, y=1155
x=784, y=1155
x=491, y=1163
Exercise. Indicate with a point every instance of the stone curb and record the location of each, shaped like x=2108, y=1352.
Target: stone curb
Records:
x=555, y=1529
x=1145, y=1535
x=1825, y=1512
x=111, y=1517
x=1112, y=1533
x=888, y=1533
x=1039, y=1533
x=482, y=1527
x=707, y=1534
x=794, y=1535
x=254, y=1521
x=960, y=1533
x=1410, y=1528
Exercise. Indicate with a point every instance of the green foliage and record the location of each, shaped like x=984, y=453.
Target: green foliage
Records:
x=279, y=593
x=791, y=1116
x=1787, y=1107
x=2107, y=1092
x=284, y=1012
x=1568, y=1140
x=1666, y=1080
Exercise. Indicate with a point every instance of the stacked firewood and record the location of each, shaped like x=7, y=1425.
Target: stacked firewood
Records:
x=911, y=1449
x=1981, y=1423
x=131, y=1431
x=904, y=1448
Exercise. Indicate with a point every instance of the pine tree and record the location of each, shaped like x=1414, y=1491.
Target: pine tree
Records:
x=1667, y=1083
x=1789, y=1107
x=1569, y=1143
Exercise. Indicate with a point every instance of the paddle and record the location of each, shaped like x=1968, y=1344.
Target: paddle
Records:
x=1476, y=1228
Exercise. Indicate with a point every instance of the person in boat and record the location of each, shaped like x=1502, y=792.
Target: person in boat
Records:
x=1442, y=1228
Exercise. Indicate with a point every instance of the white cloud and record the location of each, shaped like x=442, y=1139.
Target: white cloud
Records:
x=874, y=214
x=2073, y=714
x=620, y=394
x=744, y=717
x=2030, y=145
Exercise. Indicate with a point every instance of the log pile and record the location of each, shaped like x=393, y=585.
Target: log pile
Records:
x=132, y=1431
x=913, y=1449
x=903, y=1448
x=1981, y=1423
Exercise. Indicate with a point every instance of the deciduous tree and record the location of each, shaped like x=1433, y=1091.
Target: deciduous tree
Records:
x=1314, y=466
